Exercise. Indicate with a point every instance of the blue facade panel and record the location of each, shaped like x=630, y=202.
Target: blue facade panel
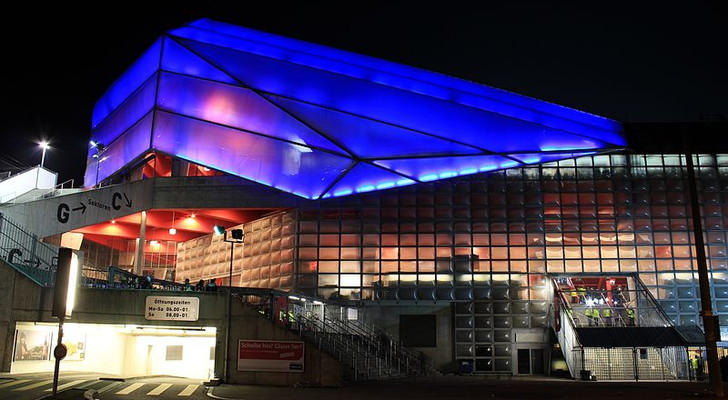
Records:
x=320, y=122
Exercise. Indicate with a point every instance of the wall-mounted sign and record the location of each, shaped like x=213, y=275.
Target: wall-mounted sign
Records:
x=270, y=356
x=172, y=308
x=32, y=345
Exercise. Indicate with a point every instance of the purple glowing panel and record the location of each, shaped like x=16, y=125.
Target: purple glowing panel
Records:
x=123, y=87
x=485, y=130
x=136, y=106
x=289, y=167
x=368, y=138
x=431, y=169
x=176, y=58
x=392, y=74
x=367, y=178
x=235, y=107
x=118, y=154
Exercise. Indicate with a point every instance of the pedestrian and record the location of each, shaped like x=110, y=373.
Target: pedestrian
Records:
x=723, y=363
x=187, y=285
x=696, y=364
x=589, y=316
x=607, y=314
x=200, y=287
x=630, y=317
x=581, y=290
x=211, y=286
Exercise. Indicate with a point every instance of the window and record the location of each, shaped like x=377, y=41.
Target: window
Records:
x=174, y=353
x=418, y=330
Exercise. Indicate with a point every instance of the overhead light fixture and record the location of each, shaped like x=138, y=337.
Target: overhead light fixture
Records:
x=45, y=146
x=172, y=230
x=237, y=234
x=98, y=146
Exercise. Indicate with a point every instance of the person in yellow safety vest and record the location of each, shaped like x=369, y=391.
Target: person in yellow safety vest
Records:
x=589, y=316
x=596, y=316
x=582, y=293
x=607, y=314
x=696, y=364
x=630, y=317
x=574, y=296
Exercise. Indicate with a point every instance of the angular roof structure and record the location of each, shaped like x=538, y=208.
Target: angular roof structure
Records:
x=320, y=122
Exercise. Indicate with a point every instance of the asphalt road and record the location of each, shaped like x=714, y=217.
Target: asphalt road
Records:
x=471, y=387
x=33, y=387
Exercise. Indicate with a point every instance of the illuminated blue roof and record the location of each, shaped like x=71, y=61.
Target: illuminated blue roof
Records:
x=321, y=122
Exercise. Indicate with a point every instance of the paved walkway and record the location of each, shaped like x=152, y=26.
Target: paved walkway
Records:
x=472, y=387
x=442, y=387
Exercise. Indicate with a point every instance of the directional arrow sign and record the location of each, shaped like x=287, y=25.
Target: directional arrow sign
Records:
x=116, y=196
x=53, y=215
x=116, y=199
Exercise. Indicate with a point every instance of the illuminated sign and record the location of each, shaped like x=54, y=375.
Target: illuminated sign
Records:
x=271, y=356
x=172, y=308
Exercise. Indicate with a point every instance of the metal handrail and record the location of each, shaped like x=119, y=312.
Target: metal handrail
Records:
x=37, y=259
x=652, y=299
x=397, y=356
x=567, y=336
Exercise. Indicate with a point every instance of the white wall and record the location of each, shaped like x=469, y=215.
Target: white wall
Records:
x=123, y=351
x=195, y=361
x=35, y=178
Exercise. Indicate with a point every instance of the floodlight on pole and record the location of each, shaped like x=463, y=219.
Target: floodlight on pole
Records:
x=45, y=146
x=218, y=229
x=235, y=236
x=64, y=298
x=100, y=148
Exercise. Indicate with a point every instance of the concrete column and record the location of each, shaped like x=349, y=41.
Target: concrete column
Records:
x=139, y=258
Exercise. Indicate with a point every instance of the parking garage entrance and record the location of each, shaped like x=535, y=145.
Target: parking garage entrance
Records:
x=117, y=350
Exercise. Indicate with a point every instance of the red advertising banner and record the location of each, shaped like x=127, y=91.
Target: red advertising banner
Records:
x=270, y=356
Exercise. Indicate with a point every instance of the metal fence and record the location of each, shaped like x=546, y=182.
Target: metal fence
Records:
x=25, y=252
x=637, y=363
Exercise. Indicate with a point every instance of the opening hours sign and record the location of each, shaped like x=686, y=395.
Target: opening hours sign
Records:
x=172, y=308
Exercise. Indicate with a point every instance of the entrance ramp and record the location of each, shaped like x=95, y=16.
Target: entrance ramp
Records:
x=612, y=328
x=66, y=211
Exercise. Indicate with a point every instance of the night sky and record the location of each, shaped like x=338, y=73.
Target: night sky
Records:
x=632, y=62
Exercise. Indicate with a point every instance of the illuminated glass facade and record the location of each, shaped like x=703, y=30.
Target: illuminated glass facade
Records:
x=311, y=120
x=488, y=243
x=451, y=239
x=429, y=191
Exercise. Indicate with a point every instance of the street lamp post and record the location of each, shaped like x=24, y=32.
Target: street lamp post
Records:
x=232, y=236
x=100, y=148
x=64, y=298
x=45, y=146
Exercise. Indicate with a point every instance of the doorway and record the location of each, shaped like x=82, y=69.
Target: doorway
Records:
x=530, y=362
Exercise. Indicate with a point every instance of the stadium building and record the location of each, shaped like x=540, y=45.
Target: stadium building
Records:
x=452, y=225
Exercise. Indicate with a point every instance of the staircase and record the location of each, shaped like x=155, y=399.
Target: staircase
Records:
x=368, y=352
x=612, y=328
